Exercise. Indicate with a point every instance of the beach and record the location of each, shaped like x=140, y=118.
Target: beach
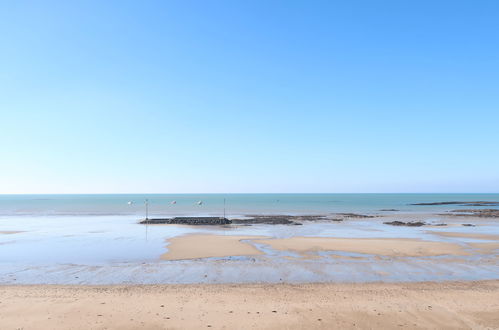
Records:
x=425, y=267
x=428, y=305
x=249, y=165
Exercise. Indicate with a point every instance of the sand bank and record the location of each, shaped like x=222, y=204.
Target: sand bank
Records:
x=10, y=232
x=454, y=305
x=206, y=246
x=486, y=248
x=466, y=235
x=379, y=246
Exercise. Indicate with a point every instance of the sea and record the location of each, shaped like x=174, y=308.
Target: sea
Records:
x=228, y=204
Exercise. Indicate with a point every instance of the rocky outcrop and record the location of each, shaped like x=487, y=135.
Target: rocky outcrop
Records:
x=484, y=213
x=476, y=203
x=407, y=224
x=269, y=220
x=254, y=219
x=193, y=221
x=355, y=215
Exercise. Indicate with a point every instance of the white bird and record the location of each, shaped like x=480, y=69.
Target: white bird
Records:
x=200, y=203
x=173, y=202
x=130, y=203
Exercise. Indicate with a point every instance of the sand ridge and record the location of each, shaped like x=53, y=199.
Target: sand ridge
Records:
x=10, y=232
x=196, y=246
x=465, y=235
x=487, y=248
x=393, y=247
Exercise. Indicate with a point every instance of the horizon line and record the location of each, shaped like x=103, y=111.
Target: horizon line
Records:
x=246, y=193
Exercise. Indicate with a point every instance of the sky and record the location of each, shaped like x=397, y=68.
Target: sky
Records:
x=249, y=96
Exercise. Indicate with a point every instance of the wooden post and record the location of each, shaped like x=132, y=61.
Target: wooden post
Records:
x=147, y=215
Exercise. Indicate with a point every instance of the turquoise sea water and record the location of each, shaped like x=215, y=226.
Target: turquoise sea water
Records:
x=235, y=204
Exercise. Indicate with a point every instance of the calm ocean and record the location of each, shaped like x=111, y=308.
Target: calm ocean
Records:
x=235, y=204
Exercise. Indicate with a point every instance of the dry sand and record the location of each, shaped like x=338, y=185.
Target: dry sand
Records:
x=205, y=246
x=466, y=235
x=379, y=246
x=451, y=305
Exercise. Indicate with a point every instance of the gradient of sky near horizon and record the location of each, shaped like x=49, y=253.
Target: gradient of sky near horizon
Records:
x=249, y=96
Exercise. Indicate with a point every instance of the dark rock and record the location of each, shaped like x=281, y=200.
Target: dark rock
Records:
x=468, y=225
x=355, y=215
x=476, y=203
x=408, y=224
x=390, y=210
x=196, y=221
x=264, y=219
x=278, y=219
x=484, y=213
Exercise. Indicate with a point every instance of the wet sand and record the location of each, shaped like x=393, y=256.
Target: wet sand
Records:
x=487, y=248
x=431, y=305
x=466, y=235
x=206, y=246
x=7, y=232
x=93, y=252
x=393, y=247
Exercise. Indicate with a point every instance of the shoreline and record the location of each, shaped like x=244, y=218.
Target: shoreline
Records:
x=248, y=285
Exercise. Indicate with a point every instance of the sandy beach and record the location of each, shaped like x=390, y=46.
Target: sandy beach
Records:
x=430, y=305
x=357, y=273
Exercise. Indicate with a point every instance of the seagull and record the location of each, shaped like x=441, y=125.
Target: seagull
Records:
x=130, y=203
x=200, y=203
x=173, y=202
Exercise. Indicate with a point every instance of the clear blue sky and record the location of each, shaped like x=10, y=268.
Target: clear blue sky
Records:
x=249, y=96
